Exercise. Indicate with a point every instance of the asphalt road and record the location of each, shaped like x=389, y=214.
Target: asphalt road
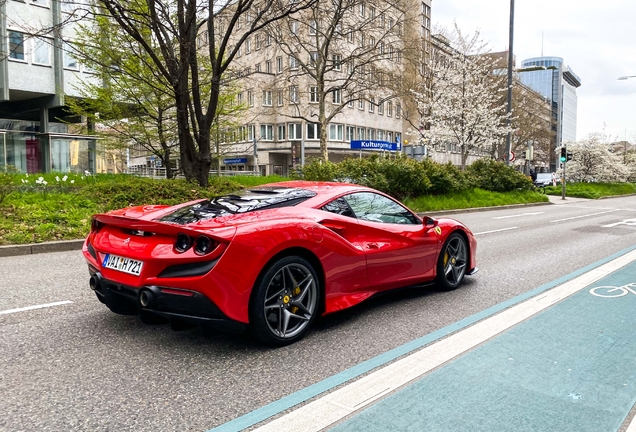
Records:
x=77, y=366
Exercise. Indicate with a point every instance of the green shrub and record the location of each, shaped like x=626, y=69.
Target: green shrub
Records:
x=496, y=176
x=446, y=178
x=7, y=182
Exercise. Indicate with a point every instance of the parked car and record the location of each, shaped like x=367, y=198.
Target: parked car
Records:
x=544, y=179
x=269, y=259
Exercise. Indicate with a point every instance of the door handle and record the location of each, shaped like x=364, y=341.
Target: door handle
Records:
x=372, y=246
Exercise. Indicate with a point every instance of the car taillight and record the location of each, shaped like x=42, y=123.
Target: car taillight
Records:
x=203, y=245
x=96, y=225
x=183, y=243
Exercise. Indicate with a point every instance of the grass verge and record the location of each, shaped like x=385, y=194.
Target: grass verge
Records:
x=472, y=199
x=593, y=190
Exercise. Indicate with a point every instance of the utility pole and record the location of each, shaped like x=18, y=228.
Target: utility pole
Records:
x=510, y=60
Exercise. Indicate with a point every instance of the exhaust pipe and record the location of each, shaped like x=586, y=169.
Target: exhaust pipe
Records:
x=95, y=282
x=148, y=297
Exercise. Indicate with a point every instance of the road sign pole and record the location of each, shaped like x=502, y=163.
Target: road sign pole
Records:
x=563, y=182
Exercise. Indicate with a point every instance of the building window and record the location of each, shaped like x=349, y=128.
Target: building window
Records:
x=389, y=108
x=279, y=64
x=280, y=98
x=361, y=133
x=361, y=104
x=389, y=136
x=380, y=135
x=362, y=9
x=350, y=103
x=268, y=66
x=335, y=132
x=293, y=63
x=350, y=36
x=398, y=111
x=70, y=62
x=251, y=133
x=382, y=20
x=313, y=131
x=280, y=132
x=381, y=108
x=248, y=46
x=250, y=98
x=267, y=98
x=42, y=51
x=313, y=58
x=259, y=42
x=313, y=94
x=257, y=67
x=293, y=26
x=337, y=96
x=337, y=62
x=371, y=42
x=267, y=132
x=351, y=133
x=16, y=46
x=294, y=131
x=371, y=134
x=371, y=104
x=312, y=27
x=293, y=94
x=43, y=3
x=239, y=98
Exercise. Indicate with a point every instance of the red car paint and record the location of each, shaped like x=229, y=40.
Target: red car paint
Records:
x=355, y=259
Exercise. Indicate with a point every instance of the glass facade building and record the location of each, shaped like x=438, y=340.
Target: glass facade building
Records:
x=550, y=77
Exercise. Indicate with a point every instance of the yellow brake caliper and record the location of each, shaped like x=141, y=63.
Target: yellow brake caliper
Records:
x=295, y=292
x=445, y=259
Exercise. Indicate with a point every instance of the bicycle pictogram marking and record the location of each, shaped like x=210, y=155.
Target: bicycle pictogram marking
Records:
x=614, y=291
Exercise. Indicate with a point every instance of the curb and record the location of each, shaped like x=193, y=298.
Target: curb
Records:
x=481, y=209
x=36, y=248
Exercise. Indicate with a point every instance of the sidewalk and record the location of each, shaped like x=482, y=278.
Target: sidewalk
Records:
x=568, y=368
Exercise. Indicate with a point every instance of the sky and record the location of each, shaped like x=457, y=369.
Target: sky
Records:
x=596, y=39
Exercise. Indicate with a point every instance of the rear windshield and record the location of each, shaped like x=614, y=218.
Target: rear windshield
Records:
x=261, y=198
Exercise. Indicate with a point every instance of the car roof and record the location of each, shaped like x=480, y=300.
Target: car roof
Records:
x=323, y=190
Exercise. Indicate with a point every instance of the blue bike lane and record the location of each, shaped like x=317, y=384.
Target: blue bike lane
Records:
x=571, y=367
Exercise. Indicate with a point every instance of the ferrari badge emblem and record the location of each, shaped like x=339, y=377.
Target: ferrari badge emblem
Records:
x=127, y=241
x=438, y=230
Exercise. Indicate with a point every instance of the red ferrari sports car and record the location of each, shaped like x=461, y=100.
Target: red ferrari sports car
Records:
x=270, y=258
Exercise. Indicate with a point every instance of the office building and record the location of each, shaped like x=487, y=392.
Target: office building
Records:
x=558, y=83
x=37, y=73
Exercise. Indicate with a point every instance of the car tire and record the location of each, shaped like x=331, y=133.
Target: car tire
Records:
x=285, y=301
x=452, y=262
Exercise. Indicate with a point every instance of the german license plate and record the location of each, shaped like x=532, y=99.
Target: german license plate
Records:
x=122, y=264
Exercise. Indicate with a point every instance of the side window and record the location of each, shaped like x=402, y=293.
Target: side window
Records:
x=340, y=207
x=372, y=207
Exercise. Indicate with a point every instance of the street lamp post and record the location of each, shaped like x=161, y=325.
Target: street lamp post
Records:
x=510, y=60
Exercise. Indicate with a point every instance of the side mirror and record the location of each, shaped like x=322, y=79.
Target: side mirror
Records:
x=429, y=222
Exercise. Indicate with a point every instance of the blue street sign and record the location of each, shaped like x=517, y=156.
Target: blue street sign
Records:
x=235, y=161
x=375, y=145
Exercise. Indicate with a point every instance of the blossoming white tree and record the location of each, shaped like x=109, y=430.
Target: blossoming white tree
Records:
x=462, y=104
x=593, y=160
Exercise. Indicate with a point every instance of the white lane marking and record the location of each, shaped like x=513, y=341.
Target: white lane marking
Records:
x=518, y=215
x=587, y=215
x=631, y=222
x=28, y=308
x=333, y=407
x=494, y=231
x=632, y=426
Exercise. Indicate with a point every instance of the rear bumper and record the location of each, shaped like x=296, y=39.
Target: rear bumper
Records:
x=172, y=303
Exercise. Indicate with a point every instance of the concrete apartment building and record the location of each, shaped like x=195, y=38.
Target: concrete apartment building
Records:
x=37, y=73
x=286, y=72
